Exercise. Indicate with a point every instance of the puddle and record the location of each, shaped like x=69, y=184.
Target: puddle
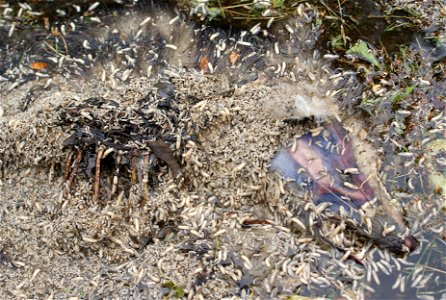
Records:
x=366, y=20
x=422, y=276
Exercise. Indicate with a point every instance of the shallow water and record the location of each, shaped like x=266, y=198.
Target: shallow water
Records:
x=109, y=54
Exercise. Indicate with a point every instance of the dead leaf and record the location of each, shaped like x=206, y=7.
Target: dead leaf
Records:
x=55, y=31
x=203, y=63
x=233, y=57
x=38, y=65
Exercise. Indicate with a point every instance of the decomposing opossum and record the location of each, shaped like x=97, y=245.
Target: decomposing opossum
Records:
x=322, y=166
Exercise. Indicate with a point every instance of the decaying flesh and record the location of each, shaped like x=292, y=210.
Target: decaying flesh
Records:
x=321, y=165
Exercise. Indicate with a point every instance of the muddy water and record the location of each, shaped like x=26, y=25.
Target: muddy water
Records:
x=93, y=49
x=405, y=140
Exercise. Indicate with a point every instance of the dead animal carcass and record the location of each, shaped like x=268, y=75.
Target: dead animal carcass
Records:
x=321, y=167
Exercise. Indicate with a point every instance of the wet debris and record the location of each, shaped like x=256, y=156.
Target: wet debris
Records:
x=217, y=220
x=108, y=138
x=321, y=167
x=99, y=42
x=127, y=225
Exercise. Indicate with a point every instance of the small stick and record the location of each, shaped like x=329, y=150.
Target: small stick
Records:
x=74, y=171
x=134, y=171
x=68, y=166
x=97, y=173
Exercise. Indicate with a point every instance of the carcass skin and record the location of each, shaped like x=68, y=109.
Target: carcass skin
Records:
x=323, y=164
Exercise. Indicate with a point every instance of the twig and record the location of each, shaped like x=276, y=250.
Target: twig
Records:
x=74, y=171
x=145, y=179
x=68, y=166
x=134, y=177
x=97, y=173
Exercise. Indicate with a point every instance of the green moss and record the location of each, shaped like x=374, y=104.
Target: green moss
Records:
x=362, y=51
x=337, y=43
x=177, y=290
x=402, y=94
x=278, y=4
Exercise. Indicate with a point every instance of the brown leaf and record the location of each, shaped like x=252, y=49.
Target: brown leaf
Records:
x=163, y=152
x=38, y=65
x=233, y=57
x=55, y=31
x=203, y=63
